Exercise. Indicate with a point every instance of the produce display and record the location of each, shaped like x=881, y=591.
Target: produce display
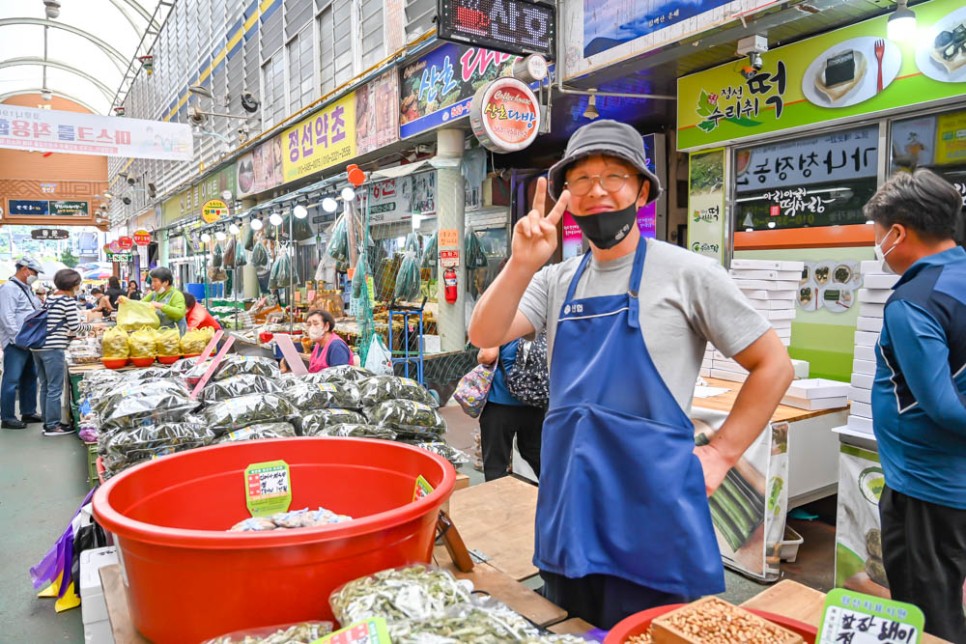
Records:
x=380, y=389
x=194, y=342
x=238, y=413
x=308, y=396
x=313, y=423
x=258, y=431
x=413, y=592
x=481, y=622
x=358, y=431
x=303, y=518
x=234, y=365
x=123, y=448
x=410, y=419
x=241, y=385
x=114, y=345
x=714, y=621
x=168, y=342
x=143, y=343
x=303, y=633
x=136, y=314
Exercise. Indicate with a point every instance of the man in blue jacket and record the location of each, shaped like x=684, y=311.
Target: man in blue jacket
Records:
x=17, y=302
x=919, y=397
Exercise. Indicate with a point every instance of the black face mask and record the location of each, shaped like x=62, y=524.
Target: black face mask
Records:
x=607, y=229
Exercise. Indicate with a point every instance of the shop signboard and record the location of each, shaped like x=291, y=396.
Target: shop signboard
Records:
x=188, y=203
x=515, y=26
x=49, y=234
x=142, y=237
x=120, y=257
x=214, y=210
x=125, y=243
x=706, y=204
x=377, y=119
x=505, y=116
x=69, y=208
x=822, y=80
x=601, y=33
x=27, y=208
x=24, y=128
x=439, y=87
x=260, y=169
x=399, y=199
x=322, y=140
x=951, y=138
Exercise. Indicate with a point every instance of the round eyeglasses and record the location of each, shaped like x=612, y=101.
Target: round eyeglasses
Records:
x=609, y=182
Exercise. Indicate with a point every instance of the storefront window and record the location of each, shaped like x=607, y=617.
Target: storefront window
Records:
x=937, y=142
x=808, y=182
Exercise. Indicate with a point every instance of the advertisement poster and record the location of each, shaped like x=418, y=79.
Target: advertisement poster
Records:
x=748, y=510
x=23, y=128
x=599, y=33
x=849, y=72
x=858, y=541
x=377, y=119
x=829, y=285
x=260, y=169
x=951, y=138
x=439, y=87
x=317, y=142
x=706, y=204
x=399, y=199
x=573, y=239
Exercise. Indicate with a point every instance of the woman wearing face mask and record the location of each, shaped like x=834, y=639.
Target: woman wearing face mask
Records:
x=328, y=349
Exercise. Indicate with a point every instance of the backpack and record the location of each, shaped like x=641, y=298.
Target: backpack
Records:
x=33, y=333
x=528, y=380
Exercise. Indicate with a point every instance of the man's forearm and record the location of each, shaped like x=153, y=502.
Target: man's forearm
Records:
x=495, y=310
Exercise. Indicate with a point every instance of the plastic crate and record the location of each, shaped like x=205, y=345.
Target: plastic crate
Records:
x=790, y=544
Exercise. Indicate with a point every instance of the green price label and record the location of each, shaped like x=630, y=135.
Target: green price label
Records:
x=268, y=488
x=371, y=631
x=423, y=488
x=859, y=619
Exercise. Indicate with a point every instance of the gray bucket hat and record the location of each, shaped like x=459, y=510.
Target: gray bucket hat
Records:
x=30, y=263
x=609, y=138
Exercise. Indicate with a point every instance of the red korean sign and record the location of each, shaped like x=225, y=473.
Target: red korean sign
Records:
x=142, y=237
x=125, y=243
x=505, y=115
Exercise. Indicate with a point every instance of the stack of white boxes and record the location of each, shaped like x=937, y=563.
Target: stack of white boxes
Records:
x=877, y=288
x=97, y=627
x=772, y=287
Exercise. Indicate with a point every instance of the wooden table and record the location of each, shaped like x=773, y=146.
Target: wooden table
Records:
x=724, y=402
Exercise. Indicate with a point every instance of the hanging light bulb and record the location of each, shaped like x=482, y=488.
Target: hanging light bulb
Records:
x=205, y=238
x=257, y=224
x=901, y=26
x=275, y=219
x=330, y=205
x=348, y=194
x=233, y=228
x=300, y=212
x=220, y=235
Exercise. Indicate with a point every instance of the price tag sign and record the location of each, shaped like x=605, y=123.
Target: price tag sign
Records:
x=856, y=618
x=449, y=258
x=268, y=488
x=423, y=488
x=371, y=631
x=449, y=238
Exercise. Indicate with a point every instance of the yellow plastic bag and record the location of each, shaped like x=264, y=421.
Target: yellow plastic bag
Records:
x=143, y=343
x=194, y=342
x=114, y=345
x=134, y=314
x=169, y=342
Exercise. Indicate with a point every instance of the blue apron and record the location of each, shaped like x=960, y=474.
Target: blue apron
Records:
x=621, y=491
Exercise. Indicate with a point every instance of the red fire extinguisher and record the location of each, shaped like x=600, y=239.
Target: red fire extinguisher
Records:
x=449, y=282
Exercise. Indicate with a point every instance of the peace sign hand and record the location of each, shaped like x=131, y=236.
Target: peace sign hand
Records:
x=535, y=236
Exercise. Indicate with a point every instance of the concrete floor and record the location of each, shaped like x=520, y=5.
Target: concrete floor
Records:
x=42, y=482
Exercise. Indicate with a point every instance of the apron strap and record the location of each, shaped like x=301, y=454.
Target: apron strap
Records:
x=633, y=301
x=577, y=276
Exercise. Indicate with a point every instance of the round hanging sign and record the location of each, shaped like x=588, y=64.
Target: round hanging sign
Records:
x=125, y=243
x=142, y=237
x=505, y=115
x=115, y=246
x=214, y=210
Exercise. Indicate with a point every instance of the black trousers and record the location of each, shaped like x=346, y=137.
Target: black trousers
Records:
x=924, y=552
x=498, y=425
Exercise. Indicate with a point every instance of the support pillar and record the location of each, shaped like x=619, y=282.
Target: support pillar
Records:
x=450, y=215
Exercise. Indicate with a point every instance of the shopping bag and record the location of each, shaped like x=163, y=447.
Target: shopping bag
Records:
x=379, y=360
x=136, y=314
x=473, y=389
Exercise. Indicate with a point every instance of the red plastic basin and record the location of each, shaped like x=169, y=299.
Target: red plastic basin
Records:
x=187, y=579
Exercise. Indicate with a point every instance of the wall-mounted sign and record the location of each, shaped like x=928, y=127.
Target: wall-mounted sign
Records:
x=38, y=208
x=449, y=258
x=142, y=237
x=126, y=243
x=114, y=247
x=69, y=209
x=505, y=115
x=706, y=204
x=850, y=72
x=214, y=210
x=120, y=257
x=324, y=139
x=49, y=233
x=513, y=26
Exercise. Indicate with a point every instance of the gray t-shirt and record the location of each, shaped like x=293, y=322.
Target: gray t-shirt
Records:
x=686, y=301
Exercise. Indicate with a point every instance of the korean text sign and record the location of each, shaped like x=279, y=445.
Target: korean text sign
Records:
x=322, y=140
x=821, y=80
x=23, y=128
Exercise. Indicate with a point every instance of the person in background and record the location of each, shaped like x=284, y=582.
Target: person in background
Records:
x=17, y=302
x=623, y=522
x=328, y=349
x=919, y=397
x=41, y=292
x=63, y=323
x=114, y=291
x=102, y=303
x=168, y=300
x=504, y=417
x=197, y=316
x=133, y=291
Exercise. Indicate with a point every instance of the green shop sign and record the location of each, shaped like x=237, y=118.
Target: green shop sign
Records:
x=851, y=72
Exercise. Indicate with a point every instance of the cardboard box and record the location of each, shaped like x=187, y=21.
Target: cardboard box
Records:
x=862, y=381
x=773, y=305
x=99, y=633
x=768, y=285
x=860, y=424
x=816, y=404
x=728, y=375
x=768, y=265
x=876, y=296
x=729, y=365
x=876, y=281
x=861, y=409
x=866, y=339
x=871, y=267
x=93, y=606
x=865, y=367
x=814, y=388
x=865, y=353
x=751, y=274
x=869, y=324
x=784, y=314
x=860, y=395
x=871, y=310
x=781, y=325
x=801, y=368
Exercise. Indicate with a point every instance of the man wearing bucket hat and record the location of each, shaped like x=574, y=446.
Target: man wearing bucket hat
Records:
x=17, y=302
x=623, y=522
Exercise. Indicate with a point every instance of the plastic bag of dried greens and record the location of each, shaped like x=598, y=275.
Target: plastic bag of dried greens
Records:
x=120, y=448
x=169, y=342
x=258, y=431
x=314, y=422
x=96, y=382
x=238, y=386
x=260, y=258
x=194, y=342
x=355, y=430
x=114, y=345
x=237, y=413
x=338, y=247
x=145, y=375
x=380, y=389
x=451, y=454
x=236, y=365
x=154, y=405
x=143, y=343
x=475, y=256
x=411, y=592
x=106, y=401
x=479, y=620
x=308, y=396
x=431, y=251
x=407, y=279
x=409, y=419
x=301, y=633
x=345, y=373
